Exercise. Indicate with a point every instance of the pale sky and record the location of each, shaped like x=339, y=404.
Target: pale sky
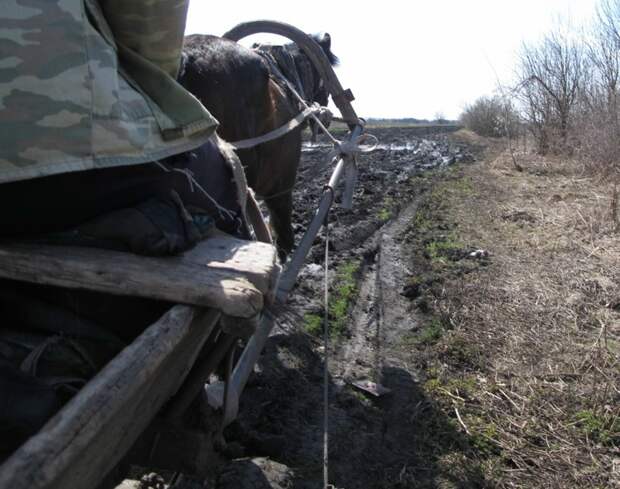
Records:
x=408, y=58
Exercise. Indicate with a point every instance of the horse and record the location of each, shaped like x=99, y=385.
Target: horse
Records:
x=244, y=90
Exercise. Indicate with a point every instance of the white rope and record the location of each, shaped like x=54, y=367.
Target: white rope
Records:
x=326, y=362
x=192, y=182
x=278, y=132
x=314, y=116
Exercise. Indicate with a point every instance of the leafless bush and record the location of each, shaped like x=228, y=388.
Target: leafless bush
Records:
x=491, y=116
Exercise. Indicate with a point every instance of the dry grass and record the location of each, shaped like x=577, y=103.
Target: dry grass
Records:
x=535, y=335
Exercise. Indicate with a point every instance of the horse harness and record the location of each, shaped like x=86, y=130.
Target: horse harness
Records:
x=285, y=72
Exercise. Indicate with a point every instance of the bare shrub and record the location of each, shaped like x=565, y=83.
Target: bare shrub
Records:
x=491, y=116
x=569, y=90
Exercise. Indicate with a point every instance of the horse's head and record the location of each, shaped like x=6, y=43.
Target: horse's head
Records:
x=314, y=86
x=319, y=90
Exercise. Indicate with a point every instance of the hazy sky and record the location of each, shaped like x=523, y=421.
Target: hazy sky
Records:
x=408, y=58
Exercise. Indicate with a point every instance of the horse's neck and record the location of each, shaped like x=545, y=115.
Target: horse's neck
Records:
x=303, y=81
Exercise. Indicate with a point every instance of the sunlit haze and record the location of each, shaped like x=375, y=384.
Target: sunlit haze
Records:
x=408, y=58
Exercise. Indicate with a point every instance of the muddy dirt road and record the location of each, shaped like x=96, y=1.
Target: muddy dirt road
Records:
x=374, y=441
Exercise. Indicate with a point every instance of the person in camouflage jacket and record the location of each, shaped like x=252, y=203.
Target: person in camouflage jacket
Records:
x=91, y=85
x=90, y=109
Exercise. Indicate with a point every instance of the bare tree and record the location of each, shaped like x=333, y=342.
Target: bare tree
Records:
x=606, y=53
x=551, y=72
x=440, y=118
x=599, y=104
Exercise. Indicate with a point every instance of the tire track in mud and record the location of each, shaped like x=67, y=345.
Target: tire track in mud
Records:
x=378, y=446
x=371, y=438
x=373, y=327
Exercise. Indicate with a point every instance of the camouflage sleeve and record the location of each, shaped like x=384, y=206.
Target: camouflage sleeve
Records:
x=152, y=28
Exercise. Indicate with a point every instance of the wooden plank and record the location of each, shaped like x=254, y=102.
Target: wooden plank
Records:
x=223, y=273
x=253, y=260
x=91, y=433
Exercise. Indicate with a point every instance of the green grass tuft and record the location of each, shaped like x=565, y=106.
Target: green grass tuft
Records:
x=343, y=293
x=313, y=324
x=599, y=428
x=384, y=214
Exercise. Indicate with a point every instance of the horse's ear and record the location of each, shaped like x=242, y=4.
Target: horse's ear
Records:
x=326, y=40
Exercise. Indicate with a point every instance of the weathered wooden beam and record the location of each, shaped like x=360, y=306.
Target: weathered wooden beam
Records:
x=225, y=273
x=254, y=260
x=91, y=433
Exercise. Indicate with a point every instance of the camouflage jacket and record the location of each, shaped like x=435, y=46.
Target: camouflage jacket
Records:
x=87, y=84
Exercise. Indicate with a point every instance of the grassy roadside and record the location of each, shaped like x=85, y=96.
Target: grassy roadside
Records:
x=518, y=279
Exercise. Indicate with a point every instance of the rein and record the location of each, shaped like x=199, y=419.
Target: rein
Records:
x=280, y=131
x=308, y=108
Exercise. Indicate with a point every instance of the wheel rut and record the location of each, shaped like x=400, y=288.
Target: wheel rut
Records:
x=373, y=440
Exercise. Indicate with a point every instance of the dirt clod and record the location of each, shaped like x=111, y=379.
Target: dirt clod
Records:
x=255, y=473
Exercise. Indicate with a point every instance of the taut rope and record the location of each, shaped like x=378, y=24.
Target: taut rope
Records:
x=326, y=484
